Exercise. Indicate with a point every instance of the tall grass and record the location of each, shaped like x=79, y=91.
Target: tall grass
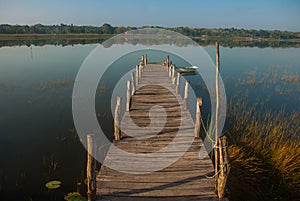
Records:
x=264, y=152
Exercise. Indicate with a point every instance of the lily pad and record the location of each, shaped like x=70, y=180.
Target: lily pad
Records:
x=74, y=196
x=53, y=184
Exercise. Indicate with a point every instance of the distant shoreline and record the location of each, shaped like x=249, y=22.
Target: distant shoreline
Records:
x=53, y=36
x=8, y=31
x=107, y=36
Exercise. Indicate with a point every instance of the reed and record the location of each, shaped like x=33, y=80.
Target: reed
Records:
x=264, y=152
x=54, y=84
x=50, y=162
x=290, y=78
x=279, y=79
x=102, y=88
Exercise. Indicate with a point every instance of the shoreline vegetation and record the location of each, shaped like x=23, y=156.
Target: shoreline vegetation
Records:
x=264, y=153
x=39, y=35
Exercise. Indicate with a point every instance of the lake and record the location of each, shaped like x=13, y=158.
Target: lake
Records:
x=38, y=140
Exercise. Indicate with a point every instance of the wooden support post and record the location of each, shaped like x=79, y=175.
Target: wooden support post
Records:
x=117, y=131
x=140, y=71
x=198, y=117
x=168, y=63
x=217, y=120
x=128, y=96
x=186, y=95
x=224, y=166
x=178, y=83
x=132, y=84
x=173, y=74
x=142, y=62
x=91, y=168
x=136, y=75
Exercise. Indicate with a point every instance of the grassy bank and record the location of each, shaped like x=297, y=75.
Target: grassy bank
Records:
x=265, y=154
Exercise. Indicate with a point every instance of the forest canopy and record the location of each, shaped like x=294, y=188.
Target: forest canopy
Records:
x=108, y=29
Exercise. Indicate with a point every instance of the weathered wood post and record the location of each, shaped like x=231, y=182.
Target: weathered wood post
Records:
x=224, y=166
x=142, y=62
x=91, y=168
x=178, y=83
x=145, y=59
x=136, y=74
x=167, y=69
x=186, y=95
x=128, y=96
x=198, y=117
x=173, y=74
x=132, y=84
x=217, y=120
x=140, y=71
x=117, y=131
x=167, y=61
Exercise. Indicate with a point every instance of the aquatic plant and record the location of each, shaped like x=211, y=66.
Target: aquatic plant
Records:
x=102, y=88
x=290, y=78
x=50, y=162
x=54, y=84
x=55, y=184
x=74, y=196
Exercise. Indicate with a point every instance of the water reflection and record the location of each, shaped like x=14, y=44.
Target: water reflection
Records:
x=38, y=141
x=99, y=40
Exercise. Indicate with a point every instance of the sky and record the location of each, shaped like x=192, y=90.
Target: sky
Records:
x=249, y=14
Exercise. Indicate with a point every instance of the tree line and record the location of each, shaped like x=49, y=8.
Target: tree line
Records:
x=108, y=29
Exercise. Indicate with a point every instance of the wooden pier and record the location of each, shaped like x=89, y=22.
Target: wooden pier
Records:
x=189, y=178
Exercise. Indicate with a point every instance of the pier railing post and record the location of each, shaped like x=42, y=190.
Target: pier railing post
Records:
x=168, y=63
x=128, y=96
x=132, y=84
x=140, y=71
x=144, y=60
x=117, y=131
x=224, y=166
x=198, y=117
x=186, y=95
x=91, y=168
x=167, y=69
x=173, y=74
x=221, y=154
x=136, y=74
x=178, y=83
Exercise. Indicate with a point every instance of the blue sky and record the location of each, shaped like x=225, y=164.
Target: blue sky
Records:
x=254, y=14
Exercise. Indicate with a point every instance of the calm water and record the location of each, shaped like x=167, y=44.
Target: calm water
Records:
x=38, y=142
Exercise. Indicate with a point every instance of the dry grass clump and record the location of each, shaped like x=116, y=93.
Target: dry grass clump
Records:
x=265, y=154
x=290, y=78
x=53, y=84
